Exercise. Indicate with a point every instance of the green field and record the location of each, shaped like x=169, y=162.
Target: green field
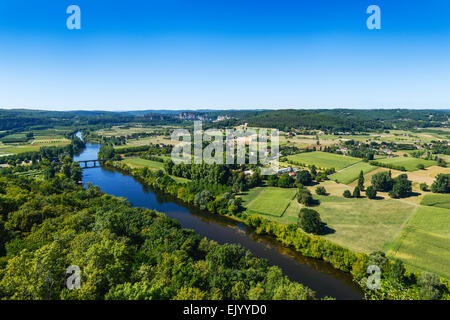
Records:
x=152, y=165
x=270, y=201
x=424, y=244
x=141, y=163
x=323, y=159
x=437, y=200
x=362, y=224
x=351, y=173
x=409, y=163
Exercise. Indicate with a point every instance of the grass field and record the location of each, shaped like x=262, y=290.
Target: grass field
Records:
x=39, y=140
x=424, y=244
x=141, y=163
x=362, y=224
x=409, y=163
x=152, y=165
x=324, y=159
x=270, y=201
x=437, y=200
x=352, y=172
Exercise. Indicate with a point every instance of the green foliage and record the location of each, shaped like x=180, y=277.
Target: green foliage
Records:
x=361, y=181
x=304, y=197
x=122, y=252
x=309, y=221
x=430, y=286
x=285, y=181
x=382, y=181
x=441, y=184
x=347, y=194
x=321, y=191
x=402, y=187
x=304, y=177
x=379, y=259
x=356, y=193
x=371, y=192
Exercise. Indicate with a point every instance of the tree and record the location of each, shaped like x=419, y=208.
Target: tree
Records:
x=106, y=152
x=441, y=184
x=420, y=166
x=272, y=180
x=371, y=192
x=429, y=286
x=313, y=172
x=321, y=191
x=402, y=187
x=347, y=194
x=304, y=197
x=356, y=192
x=397, y=272
x=285, y=181
x=382, y=181
x=379, y=259
x=361, y=180
x=309, y=220
x=304, y=177
x=423, y=186
x=202, y=198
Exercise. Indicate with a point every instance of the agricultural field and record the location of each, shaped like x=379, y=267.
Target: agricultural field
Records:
x=269, y=201
x=409, y=163
x=351, y=173
x=41, y=138
x=361, y=224
x=436, y=200
x=323, y=159
x=424, y=244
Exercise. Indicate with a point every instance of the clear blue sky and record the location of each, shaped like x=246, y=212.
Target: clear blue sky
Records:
x=173, y=54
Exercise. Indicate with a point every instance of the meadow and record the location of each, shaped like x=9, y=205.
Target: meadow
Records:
x=152, y=165
x=409, y=163
x=437, y=200
x=323, y=159
x=424, y=244
x=269, y=201
x=351, y=173
x=141, y=163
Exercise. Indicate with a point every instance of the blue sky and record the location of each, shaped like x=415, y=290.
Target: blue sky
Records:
x=174, y=54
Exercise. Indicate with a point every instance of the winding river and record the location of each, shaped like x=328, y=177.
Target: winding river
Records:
x=318, y=275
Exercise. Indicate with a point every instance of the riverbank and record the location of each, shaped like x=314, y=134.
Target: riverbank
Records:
x=308, y=245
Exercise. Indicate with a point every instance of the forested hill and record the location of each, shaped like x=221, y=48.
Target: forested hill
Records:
x=346, y=119
x=121, y=251
x=334, y=120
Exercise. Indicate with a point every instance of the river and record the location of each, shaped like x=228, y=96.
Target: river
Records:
x=318, y=275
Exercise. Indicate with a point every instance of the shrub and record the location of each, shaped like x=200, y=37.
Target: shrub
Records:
x=423, y=186
x=321, y=191
x=347, y=194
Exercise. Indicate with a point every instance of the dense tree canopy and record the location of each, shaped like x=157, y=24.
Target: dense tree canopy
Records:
x=122, y=252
